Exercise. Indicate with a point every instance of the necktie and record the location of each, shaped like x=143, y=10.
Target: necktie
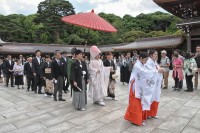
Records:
x=58, y=62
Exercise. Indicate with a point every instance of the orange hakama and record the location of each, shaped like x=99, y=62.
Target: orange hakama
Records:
x=153, y=110
x=134, y=112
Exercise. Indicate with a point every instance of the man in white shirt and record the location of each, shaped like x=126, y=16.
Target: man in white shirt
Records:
x=165, y=63
x=36, y=68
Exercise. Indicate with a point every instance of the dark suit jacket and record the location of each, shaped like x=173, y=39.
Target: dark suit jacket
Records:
x=64, y=66
x=36, y=67
x=1, y=69
x=76, y=74
x=107, y=63
x=8, y=66
x=23, y=62
x=28, y=70
x=56, y=69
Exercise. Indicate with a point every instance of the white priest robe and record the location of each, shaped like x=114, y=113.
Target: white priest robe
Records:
x=144, y=85
x=98, y=82
x=153, y=65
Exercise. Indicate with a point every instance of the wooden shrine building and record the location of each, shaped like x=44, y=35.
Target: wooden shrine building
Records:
x=189, y=12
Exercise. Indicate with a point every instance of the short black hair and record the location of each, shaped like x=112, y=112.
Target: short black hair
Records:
x=47, y=56
x=17, y=60
x=37, y=51
x=151, y=52
x=73, y=50
x=56, y=52
x=78, y=52
x=188, y=55
x=176, y=55
x=64, y=52
x=143, y=55
x=108, y=53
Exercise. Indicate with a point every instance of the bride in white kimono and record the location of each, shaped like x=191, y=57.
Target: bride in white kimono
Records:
x=153, y=65
x=99, y=77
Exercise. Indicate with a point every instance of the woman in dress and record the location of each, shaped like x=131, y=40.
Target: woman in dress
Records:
x=177, y=72
x=18, y=73
x=124, y=72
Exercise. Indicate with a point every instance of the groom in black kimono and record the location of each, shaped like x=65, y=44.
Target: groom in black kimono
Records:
x=79, y=78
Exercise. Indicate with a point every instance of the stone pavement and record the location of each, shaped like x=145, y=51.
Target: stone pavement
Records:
x=22, y=112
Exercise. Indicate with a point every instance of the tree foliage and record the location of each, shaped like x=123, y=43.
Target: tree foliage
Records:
x=46, y=26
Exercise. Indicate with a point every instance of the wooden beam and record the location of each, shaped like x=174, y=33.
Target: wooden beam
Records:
x=164, y=1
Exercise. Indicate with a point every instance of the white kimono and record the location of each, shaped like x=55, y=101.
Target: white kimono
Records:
x=145, y=82
x=152, y=65
x=98, y=82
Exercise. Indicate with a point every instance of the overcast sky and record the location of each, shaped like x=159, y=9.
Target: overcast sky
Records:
x=117, y=7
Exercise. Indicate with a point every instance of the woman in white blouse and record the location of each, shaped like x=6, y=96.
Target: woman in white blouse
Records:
x=18, y=73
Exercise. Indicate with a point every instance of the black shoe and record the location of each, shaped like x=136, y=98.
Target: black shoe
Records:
x=179, y=89
x=165, y=88
x=186, y=90
x=12, y=86
x=66, y=92
x=61, y=99
x=40, y=93
x=55, y=99
x=173, y=87
x=18, y=88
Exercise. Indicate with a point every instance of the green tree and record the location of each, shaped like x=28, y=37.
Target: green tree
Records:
x=50, y=13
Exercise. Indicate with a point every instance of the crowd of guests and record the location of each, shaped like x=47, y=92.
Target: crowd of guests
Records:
x=96, y=77
x=53, y=75
x=183, y=66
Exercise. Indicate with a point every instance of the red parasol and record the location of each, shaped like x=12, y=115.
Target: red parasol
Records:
x=89, y=20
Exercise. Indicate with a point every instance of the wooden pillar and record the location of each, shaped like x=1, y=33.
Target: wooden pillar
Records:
x=189, y=41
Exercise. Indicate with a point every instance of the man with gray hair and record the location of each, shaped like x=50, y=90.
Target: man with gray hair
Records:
x=165, y=63
x=58, y=75
x=29, y=74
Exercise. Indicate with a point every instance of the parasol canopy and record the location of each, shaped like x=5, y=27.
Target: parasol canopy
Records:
x=89, y=20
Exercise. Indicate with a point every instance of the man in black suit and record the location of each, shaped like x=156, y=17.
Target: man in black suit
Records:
x=64, y=60
x=21, y=58
x=58, y=75
x=1, y=69
x=8, y=64
x=29, y=74
x=36, y=68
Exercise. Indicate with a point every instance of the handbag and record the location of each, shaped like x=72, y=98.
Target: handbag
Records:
x=195, y=70
x=114, y=76
x=15, y=74
x=192, y=69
